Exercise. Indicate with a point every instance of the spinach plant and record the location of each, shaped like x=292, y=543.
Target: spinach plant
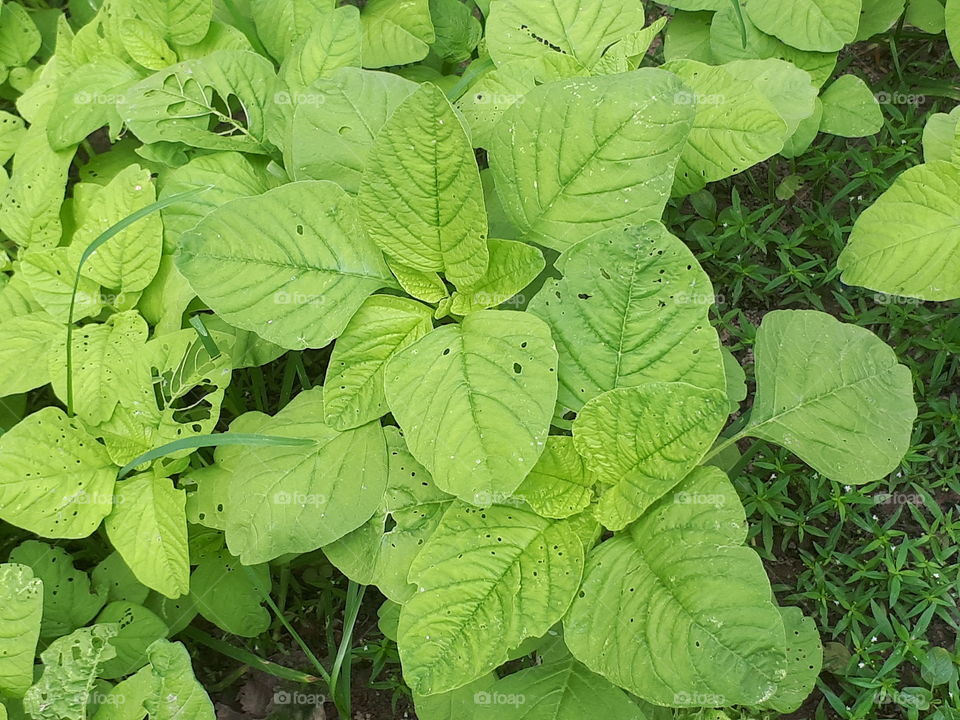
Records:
x=522, y=437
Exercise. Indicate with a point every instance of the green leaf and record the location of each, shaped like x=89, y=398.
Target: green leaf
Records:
x=68, y=602
x=25, y=344
x=229, y=594
x=19, y=37
x=125, y=700
x=70, y=668
x=938, y=667
x=820, y=25
x=941, y=140
x=736, y=380
x=952, y=22
x=735, y=126
x=688, y=37
x=573, y=33
x=491, y=96
x=332, y=43
x=677, y=610
x=11, y=134
x=146, y=46
x=269, y=264
x=905, y=244
x=281, y=24
x=560, y=484
x=178, y=694
x=788, y=88
x=148, y=527
x=561, y=690
x=641, y=441
x=373, y=555
x=396, y=32
x=632, y=308
x=287, y=499
x=927, y=15
x=878, y=16
x=21, y=597
x=626, y=130
x=331, y=138
x=182, y=102
x=112, y=578
x=443, y=226
x=815, y=372
x=513, y=266
x=475, y=400
x=384, y=325
x=181, y=21
x=49, y=275
x=456, y=704
x=726, y=44
x=457, y=31
x=137, y=629
x=502, y=573
x=428, y=287
x=56, y=480
x=804, y=660
x=850, y=108
x=806, y=132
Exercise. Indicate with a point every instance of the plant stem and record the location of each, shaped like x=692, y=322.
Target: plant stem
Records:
x=248, y=658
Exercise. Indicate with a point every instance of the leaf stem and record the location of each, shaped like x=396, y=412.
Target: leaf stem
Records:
x=248, y=658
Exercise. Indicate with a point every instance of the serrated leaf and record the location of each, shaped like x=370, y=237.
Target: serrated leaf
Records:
x=68, y=601
x=502, y=573
x=641, y=441
x=229, y=594
x=148, y=528
x=25, y=343
x=819, y=25
x=850, y=108
x=396, y=32
x=560, y=484
x=287, y=499
x=621, y=137
x=677, y=610
x=137, y=629
x=441, y=227
x=632, y=307
x=21, y=606
x=331, y=138
x=292, y=265
x=735, y=126
x=384, y=325
x=474, y=400
x=373, y=555
x=815, y=372
x=56, y=480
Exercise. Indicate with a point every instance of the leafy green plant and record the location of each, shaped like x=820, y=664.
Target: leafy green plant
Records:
x=523, y=435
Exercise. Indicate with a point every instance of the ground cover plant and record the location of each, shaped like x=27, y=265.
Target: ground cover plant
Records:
x=386, y=291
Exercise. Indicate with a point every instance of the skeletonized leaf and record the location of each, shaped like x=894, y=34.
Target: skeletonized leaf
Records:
x=21, y=605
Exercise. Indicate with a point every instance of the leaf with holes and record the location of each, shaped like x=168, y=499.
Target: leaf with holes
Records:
x=21, y=605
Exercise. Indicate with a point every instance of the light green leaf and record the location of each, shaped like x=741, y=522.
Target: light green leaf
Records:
x=878, y=16
x=373, y=555
x=632, y=308
x=25, y=343
x=788, y=88
x=396, y=32
x=287, y=499
x=56, y=480
x=229, y=594
x=68, y=602
x=736, y=380
x=908, y=241
x=271, y=263
x=104, y=363
x=819, y=25
x=804, y=660
x=181, y=21
x=941, y=139
x=70, y=668
x=850, y=108
x=146, y=46
x=952, y=21
x=806, y=132
x=641, y=441
x=502, y=573
x=178, y=694
x=137, y=629
x=331, y=137
x=677, y=610
x=428, y=287
x=626, y=130
x=688, y=37
x=735, y=126
x=182, y=102
x=111, y=577
x=332, y=43
x=219, y=36
x=726, y=43
x=457, y=30
x=176, y=613
x=148, y=527
x=21, y=606
x=11, y=134
x=125, y=700
x=384, y=325
x=513, y=266
x=927, y=15
x=560, y=484
x=281, y=24
x=938, y=667
x=545, y=32
x=474, y=401
x=441, y=227
x=491, y=96
x=50, y=274
x=458, y=704
x=815, y=372
x=19, y=37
